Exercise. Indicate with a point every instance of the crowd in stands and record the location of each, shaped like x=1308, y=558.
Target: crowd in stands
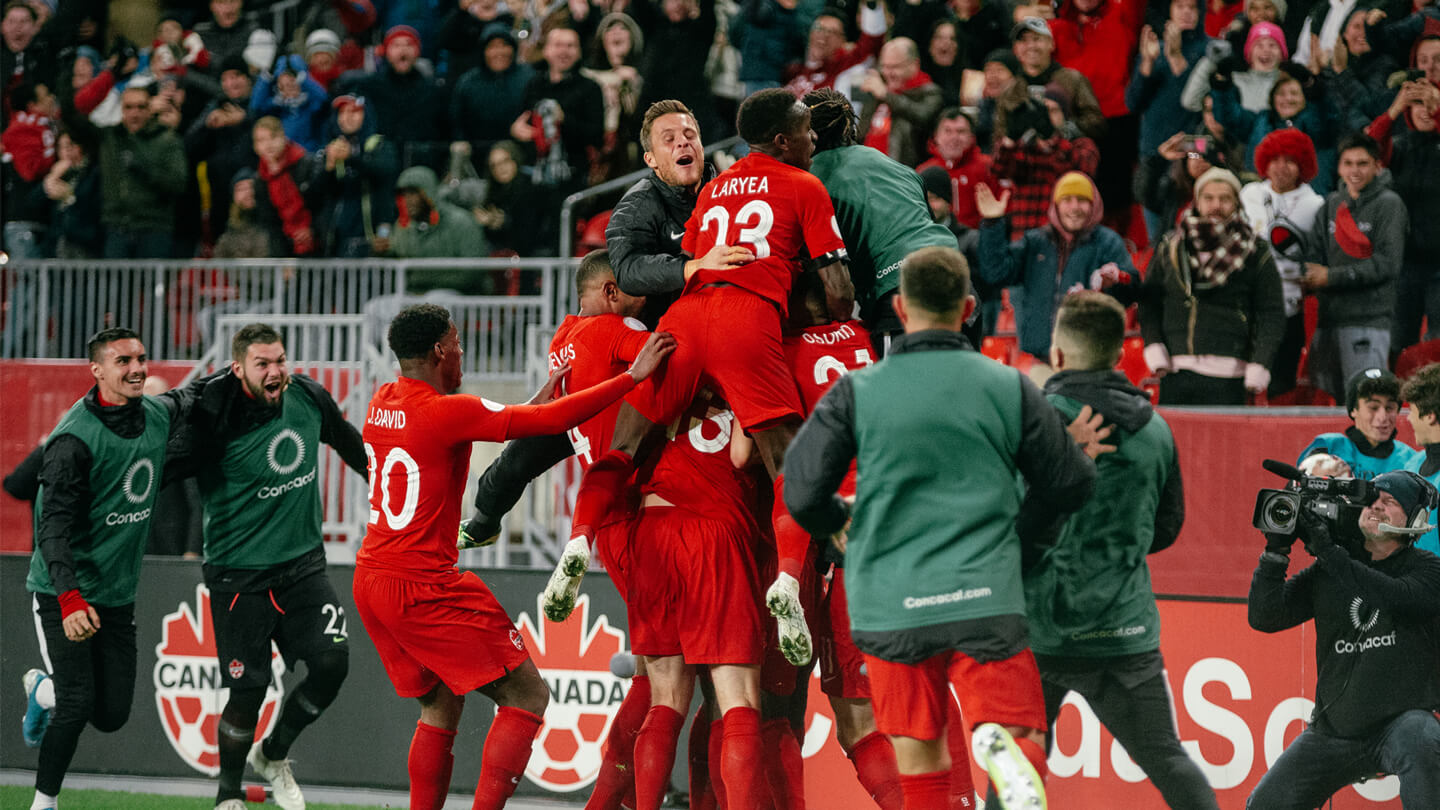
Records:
x=1239, y=156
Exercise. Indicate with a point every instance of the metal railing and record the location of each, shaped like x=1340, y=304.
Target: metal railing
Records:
x=50, y=308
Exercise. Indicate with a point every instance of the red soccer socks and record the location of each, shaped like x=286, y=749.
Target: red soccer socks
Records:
x=874, y=760
x=655, y=755
x=507, y=749
x=430, y=764
x=739, y=752
x=617, y=769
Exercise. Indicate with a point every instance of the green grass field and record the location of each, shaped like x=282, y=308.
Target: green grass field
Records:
x=18, y=798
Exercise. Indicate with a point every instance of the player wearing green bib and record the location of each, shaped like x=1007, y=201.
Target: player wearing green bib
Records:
x=99, y=477
x=256, y=433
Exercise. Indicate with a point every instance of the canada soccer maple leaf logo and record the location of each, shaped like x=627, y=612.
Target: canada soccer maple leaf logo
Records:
x=188, y=691
x=573, y=657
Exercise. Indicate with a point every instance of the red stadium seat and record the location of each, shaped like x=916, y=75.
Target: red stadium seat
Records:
x=1417, y=357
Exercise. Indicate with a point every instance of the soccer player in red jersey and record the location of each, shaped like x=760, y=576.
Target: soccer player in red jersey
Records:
x=439, y=632
x=727, y=322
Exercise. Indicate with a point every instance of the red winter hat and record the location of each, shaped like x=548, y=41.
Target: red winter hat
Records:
x=1288, y=142
x=398, y=31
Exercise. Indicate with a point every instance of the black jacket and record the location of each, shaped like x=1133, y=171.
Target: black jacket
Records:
x=1415, y=175
x=643, y=237
x=1377, y=632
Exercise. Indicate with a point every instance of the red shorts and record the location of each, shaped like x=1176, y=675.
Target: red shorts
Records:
x=612, y=545
x=699, y=595
x=426, y=633
x=840, y=660
x=911, y=699
x=730, y=338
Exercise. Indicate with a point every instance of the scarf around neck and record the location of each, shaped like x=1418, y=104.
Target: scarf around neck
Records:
x=1217, y=249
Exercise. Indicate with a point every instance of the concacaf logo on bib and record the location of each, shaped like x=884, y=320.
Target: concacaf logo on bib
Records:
x=574, y=659
x=188, y=695
x=141, y=473
x=274, y=454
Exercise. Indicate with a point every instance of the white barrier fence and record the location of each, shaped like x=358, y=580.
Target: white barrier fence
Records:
x=50, y=308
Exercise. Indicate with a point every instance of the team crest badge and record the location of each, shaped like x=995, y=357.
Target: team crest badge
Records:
x=574, y=659
x=188, y=692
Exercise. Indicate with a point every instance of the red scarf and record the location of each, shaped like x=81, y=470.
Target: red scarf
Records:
x=878, y=136
x=294, y=216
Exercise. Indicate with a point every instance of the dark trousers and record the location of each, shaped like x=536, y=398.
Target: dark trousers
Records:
x=1132, y=698
x=128, y=244
x=1317, y=765
x=1287, y=357
x=1189, y=388
x=94, y=683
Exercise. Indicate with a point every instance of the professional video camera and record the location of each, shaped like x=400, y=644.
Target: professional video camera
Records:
x=1277, y=510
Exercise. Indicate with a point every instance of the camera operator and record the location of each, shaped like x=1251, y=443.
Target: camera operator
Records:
x=1377, y=645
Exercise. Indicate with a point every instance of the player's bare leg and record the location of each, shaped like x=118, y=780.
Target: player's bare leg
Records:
x=783, y=596
x=672, y=685
x=599, y=488
x=869, y=751
x=737, y=694
x=521, y=698
x=617, y=767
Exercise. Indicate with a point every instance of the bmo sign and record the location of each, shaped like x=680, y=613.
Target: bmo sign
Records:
x=1241, y=696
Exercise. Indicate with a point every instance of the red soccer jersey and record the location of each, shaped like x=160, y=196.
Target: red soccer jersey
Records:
x=783, y=214
x=597, y=348
x=418, y=442
x=820, y=355
x=694, y=470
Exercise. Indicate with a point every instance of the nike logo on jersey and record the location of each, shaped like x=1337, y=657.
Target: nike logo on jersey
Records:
x=677, y=235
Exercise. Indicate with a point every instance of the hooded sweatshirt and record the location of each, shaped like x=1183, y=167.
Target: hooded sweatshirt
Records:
x=1090, y=594
x=484, y=103
x=1362, y=244
x=1046, y=262
x=359, y=192
x=447, y=231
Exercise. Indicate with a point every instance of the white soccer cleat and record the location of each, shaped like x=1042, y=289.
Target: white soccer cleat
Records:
x=1017, y=785
x=231, y=804
x=564, y=585
x=282, y=781
x=783, y=600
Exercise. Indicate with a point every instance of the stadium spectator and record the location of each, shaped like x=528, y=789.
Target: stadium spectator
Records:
x=1220, y=72
x=489, y=96
x=1097, y=38
x=220, y=138
x=769, y=35
x=1287, y=108
x=1321, y=32
x=1352, y=269
x=288, y=93
x=1421, y=394
x=983, y=27
x=564, y=119
x=678, y=37
x=946, y=531
x=28, y=147
x=900, y=104
x=227, y=32
x=1357, y=76
x=1071, y=250
x=142, y=176
x=287, y=176
x=1414, y=162
x=1369, y=447
x=73, y=188
x=1425, y=56
x=1095, y=580
x=1237, y=31
x=422, y=18
x=830, y=60
x=25, y=58
x=409, y=107
x=1000, y=71
x=613, y=65
x=1034, y=47
x=248, y=235
x=938, y=195
x=427, y=227
x=513, y=213
x=1189, y=156
x=322, y=57
x=466, y=34
x=1161, y=69
x=942, y=61
x=1034, y=150
x=1282, y=208
x=954, y=151
x=356, y=189
x=1213, y=313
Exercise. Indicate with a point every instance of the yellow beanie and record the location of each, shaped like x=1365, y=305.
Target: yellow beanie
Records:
x=1073, y=184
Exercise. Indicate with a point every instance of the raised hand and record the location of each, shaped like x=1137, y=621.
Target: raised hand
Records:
x=987, y=205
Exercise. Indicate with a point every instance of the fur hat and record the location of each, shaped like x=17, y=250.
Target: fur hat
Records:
x=1288, y=142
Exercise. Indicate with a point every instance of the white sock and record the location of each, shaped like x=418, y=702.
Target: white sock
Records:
x=42, y=801
x=45, y=696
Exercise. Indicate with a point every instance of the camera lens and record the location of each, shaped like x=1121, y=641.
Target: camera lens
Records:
x=1281, y=512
